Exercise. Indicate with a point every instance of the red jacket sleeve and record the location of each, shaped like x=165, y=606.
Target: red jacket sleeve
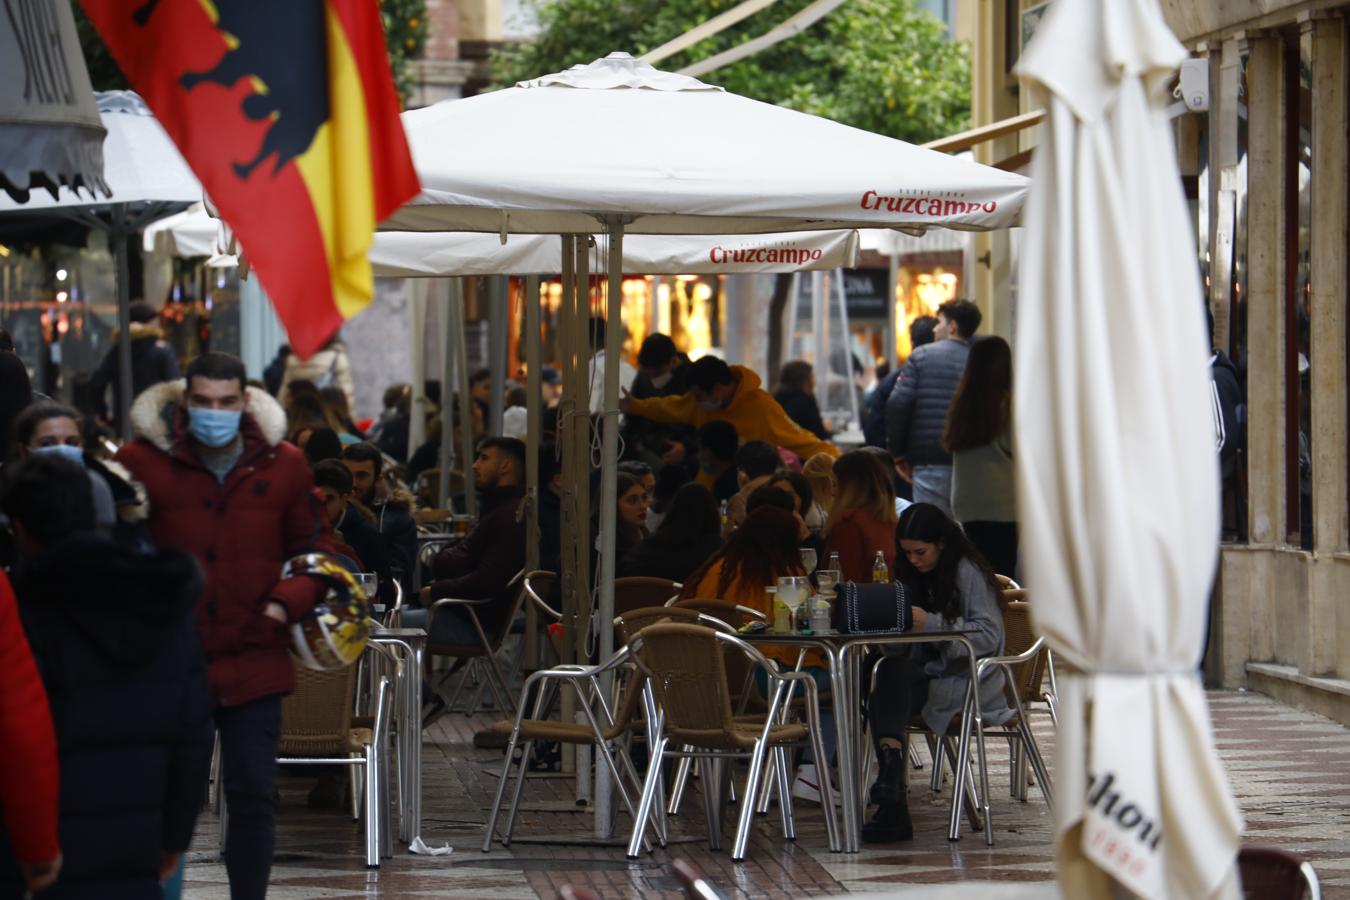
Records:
x=29, y=778
x=301, y=533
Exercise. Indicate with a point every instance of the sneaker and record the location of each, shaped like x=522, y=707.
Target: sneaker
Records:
x=891, y=823
x=806, y=786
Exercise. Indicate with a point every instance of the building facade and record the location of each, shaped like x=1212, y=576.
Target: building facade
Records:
x=1265, y=168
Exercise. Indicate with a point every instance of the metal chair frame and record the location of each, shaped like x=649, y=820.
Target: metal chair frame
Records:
x=720, y=774
x=585, y=681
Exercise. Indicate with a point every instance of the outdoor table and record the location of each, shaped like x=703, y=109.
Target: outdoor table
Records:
x=409, y=645
x=843, y=654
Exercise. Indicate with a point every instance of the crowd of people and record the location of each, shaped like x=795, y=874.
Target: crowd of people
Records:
x=148, y=617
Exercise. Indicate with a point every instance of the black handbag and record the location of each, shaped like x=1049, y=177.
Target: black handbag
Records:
x=874, y=608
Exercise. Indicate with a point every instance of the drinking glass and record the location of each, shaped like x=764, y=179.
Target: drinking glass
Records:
x=369, y=582
x=793, y=590
x=809, y=559
x=826, y=581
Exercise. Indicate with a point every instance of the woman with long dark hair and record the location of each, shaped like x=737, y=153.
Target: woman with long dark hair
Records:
x=951, y=587
x=630, y=520
x=751, y=561
x=688, y=535
x=862, y=517
x=979, y=437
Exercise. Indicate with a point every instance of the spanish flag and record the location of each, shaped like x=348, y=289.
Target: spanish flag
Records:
x=286, y=111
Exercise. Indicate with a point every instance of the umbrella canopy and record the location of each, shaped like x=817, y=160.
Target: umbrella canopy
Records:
x=50, y=134
x=746, y=167
x=1117, y=473
x=189, y=233
x=405, y=254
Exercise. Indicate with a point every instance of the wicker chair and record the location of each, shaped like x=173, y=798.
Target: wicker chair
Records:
x=641, y=591
x=604, y=729
x=317, y=729
x=733, y=614
x=1023, y=663
x=685, y=665
x=1272, y=873
x=482, y=656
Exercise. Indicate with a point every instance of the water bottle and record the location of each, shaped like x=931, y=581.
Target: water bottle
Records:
x=834, y=561
x=880, y=573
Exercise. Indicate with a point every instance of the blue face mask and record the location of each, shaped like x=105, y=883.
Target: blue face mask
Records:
x=64, y=451
x=213, y=427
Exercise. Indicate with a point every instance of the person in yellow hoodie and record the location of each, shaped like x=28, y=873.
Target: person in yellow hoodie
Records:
x=718, y=392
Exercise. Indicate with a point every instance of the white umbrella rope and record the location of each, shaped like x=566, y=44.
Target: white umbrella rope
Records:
x=1117, y=476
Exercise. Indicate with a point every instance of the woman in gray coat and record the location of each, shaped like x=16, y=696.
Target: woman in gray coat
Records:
x=952, y=588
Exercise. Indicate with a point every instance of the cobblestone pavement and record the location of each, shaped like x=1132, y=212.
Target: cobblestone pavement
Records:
x=1290, y=771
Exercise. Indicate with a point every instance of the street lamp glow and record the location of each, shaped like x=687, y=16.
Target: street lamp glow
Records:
x=62, y=296
x=61, y=274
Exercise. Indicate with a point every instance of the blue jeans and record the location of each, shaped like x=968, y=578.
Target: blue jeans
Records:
x=933, y=484
x=249, y=738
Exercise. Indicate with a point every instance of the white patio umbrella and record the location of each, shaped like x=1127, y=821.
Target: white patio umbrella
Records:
x=1117, y=475
x=147, y=178
x=185, y=234
x=408, y=254
x=748, y=167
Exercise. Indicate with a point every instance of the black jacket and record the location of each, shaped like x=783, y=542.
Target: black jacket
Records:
x=482, y=565
x=399, y=530
x=658, y=558
x=152, y=362
x=1229, y=406
x=802, y=408
x=115, y=639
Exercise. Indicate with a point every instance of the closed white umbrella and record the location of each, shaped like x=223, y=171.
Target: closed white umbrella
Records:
x=1117, y=474
x=189, y=233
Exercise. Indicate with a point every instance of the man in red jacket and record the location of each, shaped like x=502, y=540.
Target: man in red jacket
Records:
x=224, y=486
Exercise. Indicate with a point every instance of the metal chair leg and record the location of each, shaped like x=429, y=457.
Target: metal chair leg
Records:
x=649, y=792
x=747, y=816
x=710, y=784
x=522, y=773
x=935, y=778
x=778, y=760
x=767, y=785
x=372, y=803
x=677, y=787
x=915, y=760
x=489, y=832
x=357, y=783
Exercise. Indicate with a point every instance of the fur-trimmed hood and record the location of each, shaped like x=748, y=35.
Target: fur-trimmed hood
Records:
x=155, y=412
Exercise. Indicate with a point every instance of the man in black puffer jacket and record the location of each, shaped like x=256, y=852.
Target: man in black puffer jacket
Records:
x=916, y=412
x=115, y=639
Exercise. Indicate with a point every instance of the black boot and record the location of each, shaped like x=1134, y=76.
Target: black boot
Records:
x=891, y=823
x=889, y=788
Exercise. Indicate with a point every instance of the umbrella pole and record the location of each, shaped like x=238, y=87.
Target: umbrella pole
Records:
x=446, y=456
x=848, y=345
x=417, y=398
x=609, y=485
x=498, y=302
x=533, y=424
x=118, y=235
x=466, y=442
x=821, y=350
x=892, y=314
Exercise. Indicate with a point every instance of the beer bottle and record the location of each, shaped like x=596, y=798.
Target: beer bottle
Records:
x=880, y=573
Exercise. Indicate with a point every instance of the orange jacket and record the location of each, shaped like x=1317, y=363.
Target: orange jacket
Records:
x=756, y=597
x=754, y=412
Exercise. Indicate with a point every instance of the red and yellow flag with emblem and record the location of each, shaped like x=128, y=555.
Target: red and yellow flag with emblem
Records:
x=286, y=111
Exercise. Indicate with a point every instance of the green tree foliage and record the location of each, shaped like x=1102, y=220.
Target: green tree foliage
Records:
x=880, y=65
x=405, y=32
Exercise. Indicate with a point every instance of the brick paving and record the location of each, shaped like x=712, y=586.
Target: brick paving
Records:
x=1290, y=771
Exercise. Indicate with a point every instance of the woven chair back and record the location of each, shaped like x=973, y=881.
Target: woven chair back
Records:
x=638, y=592
x=718, y=609
x=689, y=678
x=1018, y=636
x=633, y=621
x=316, y=719
x=1271, y=873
